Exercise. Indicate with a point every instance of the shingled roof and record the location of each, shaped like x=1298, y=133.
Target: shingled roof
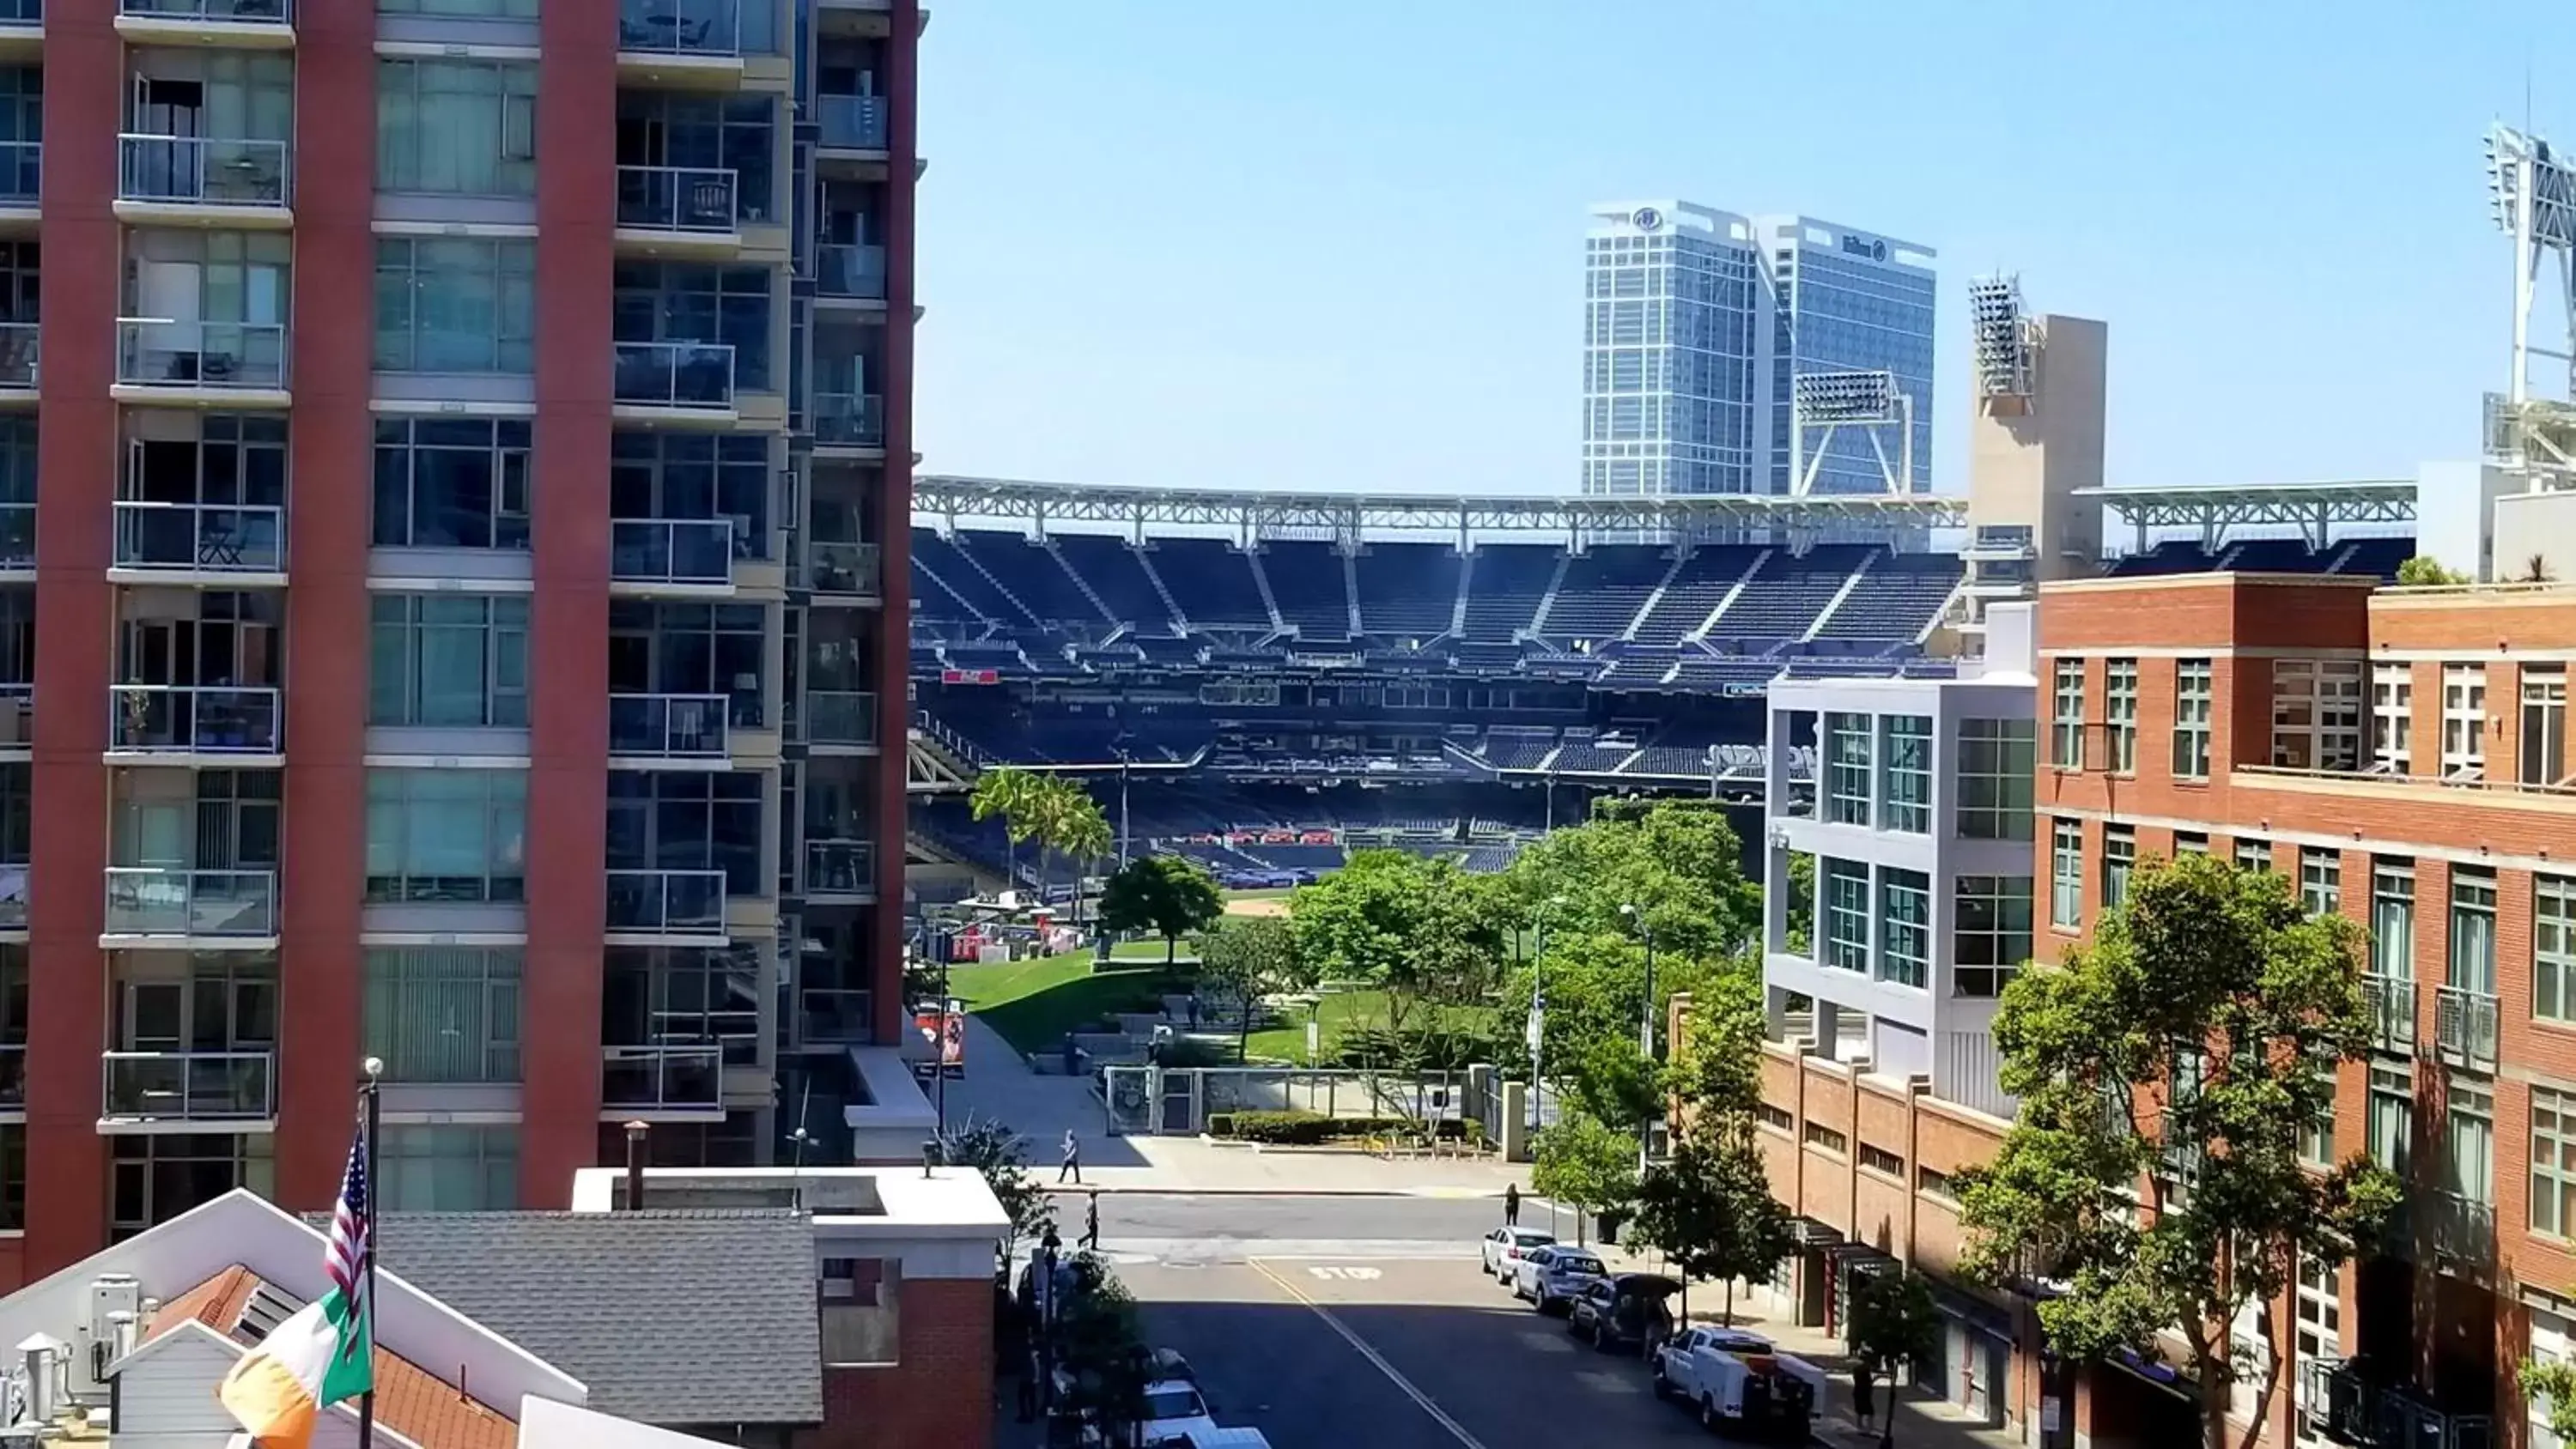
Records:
x=669, y=1316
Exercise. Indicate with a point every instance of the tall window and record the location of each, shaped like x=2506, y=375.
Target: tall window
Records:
x=444, y=1013
x=2316, y=714
x=681, y=996
x=2194, y=689
x=2473, y=924
x=2119, y=857
x=2120, y=713
x=2542, y=750
x=2392, y=717
x=2392, y=919
x=13, y=1177
x=2469, y=1165
x=1905, y=773
x=2253, y=854
x=479, y=9
x=448, y=659
x=2464, y=721
x=1996, y=758
x=2553, y=948
x=2066, y=875
x=2392, y=1115
x=447, y=835
x=2190, y=842
x=466, y=127
x=2553, y=1162
x=691, y=302
x=1847, y=768
x=1907, y=899
x=690, y=820
x=2066, y=716
x=1991, y=936
x=1846, y=915
x=2320, y=881
x=2317, y=1137
x=455, y=305
x=452, y=483
x=448, y=1169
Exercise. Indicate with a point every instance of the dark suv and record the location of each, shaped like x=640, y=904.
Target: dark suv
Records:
x=1626, y=1311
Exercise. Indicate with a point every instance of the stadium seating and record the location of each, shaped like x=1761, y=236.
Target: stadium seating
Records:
x=1695, y=592
x=1210, y=581
x=1504, y=586
x=944, y=561
x=1033, y=575
x=1117, y=574
x=1896, y=599
x=1603, y=589
x=2172, y=556
x=1307, y=584
x=1785, y=596
x=2373, y=557
x=1409, y=590
x=2275, y=556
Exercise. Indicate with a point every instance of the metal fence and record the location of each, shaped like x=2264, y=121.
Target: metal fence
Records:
x=1144, y=1100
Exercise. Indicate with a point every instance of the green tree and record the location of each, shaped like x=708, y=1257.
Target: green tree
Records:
x=1585, y=1162
x=1068, y=822
x=1251, y=956
x=993, y=1149
x=1678, y=861
x=1423, y=930
x=1164, y=894
x=1100, y=1345
x=1010, y=793
x=2425, y=569
x=1893, y=1322
x=1802, y=902
x=2174, y=1066
x=1709, y=1208
x=2554, y=1384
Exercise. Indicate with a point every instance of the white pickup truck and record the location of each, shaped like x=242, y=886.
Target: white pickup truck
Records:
x=1738, y=1381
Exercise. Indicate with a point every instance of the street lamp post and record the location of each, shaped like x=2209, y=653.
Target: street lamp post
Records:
x=1645, y=1022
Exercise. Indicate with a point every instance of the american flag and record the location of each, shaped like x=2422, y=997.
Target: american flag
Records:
x=352, y=1228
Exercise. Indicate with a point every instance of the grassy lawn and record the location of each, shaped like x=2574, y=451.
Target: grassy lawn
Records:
x=1286, y=1042
x=1034, y=1003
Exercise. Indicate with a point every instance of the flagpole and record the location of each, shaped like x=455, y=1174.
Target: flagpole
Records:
x=375, y=1113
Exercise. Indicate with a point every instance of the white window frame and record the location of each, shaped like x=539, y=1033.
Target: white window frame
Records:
x=2066, y=715
x=2316, y=714
x=2066, y=875
x=2464, y=722
x=2120, y=715
x=2392, y=718
x=2320, y=880
x=2540, y=753
x=2195, y=696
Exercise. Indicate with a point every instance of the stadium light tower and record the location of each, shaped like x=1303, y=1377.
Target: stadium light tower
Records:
x=2534, y=194
x=1824, y=403
x=2003, y=345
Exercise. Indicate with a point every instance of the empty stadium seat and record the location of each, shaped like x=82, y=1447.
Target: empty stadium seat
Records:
x=1408, y=590
x=1897, y=599
x=1504, y=585
x=1603, y=589
x=1116, y=572
x=1785, y=595
x=1695, y=592
x=1033, y=575
x=1211, y=582
x=1306, y=583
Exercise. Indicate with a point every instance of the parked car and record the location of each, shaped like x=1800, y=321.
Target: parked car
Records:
x=1174, y=1414
x=1623, y=1312
x=1549, y=1277
x=1167, y=1364
x=1503, y=1249
x=1738, y=1382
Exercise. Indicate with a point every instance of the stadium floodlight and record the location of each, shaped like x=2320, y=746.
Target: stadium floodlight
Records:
x=2533, y=194
x=2001, y=335
x=1846, y=397
x=1824, y=403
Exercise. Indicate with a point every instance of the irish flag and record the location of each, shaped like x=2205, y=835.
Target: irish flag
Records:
x=326, y=1351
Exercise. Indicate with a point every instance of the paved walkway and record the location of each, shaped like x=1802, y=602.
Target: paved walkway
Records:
x=999, y=1085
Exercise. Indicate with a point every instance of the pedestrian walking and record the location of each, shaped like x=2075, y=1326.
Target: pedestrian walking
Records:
x=1091, y=1223
x=1072, y=1164
x=1864, y=1390
x=1511, y=1204
x=1194, y=1011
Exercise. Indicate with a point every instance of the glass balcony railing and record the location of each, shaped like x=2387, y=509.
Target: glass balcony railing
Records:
x=2390, y=1000
x=842, y=270
x=677, y=198
x=840, y=717
x=671, y=550
x=201, y=537
x=200, y=171
x=229, y=12
x=13, y=1074
x=667, y=902
x=675, y=374
x=160, y=352
x=840, y=868
x=2464, y=1026
x=17, y=732
x=680, y=27
x=851, y=420
x=825, y=1016
x=196, y=719
x=851, y=123
x=646, y=1078
x=21, y=13
x=842, y=568
x=232, y=1086
x=18, y=344
x=17, y=535
x=153, y=900
x=22, y=163
x=667, y=726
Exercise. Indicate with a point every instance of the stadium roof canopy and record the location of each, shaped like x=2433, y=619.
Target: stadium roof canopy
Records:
x=2312, y=507
x=951, y=499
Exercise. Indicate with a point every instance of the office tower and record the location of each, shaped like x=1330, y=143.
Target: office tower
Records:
x=470, y=579
x=1698, y=324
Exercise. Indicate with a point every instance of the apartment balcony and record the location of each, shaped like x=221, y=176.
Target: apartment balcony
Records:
x=22, y=31
x=667, y=908
x=844, y=572
x=689, y=383
x=17, y=742
x=22, y=170
x=247, y=24
x=840, y=721
x=2342, y=1401
x=17, y=543
x=202, y=181
x=13, y=1077
x=170, y=362
x=679, y=211
x=680, y=44
x=2464, y=1230
x=667, y=731
x=18, y=346
x=849, y=421
x=684, y=1083
x=849, y=273
x=169, y=907
x=840, y=872
x=852, y=131
x=187, y=1091
x=825, y=1016
x=194, y=724
x=671, y=557
x=224, y=545
x=2464, y=1027
x=2390, y=1001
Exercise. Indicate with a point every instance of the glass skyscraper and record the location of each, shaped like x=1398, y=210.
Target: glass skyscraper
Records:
x=1697, y=323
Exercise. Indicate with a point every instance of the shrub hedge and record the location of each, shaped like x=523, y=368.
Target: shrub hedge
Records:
x=1307, y=1129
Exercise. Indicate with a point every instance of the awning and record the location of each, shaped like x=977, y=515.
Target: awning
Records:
x=1813, y=1234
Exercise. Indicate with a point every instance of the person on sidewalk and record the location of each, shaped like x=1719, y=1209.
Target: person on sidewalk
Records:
x=1864, y=1397
x=1511, y=1204
x=1091, y=1224
x=1072, y=1164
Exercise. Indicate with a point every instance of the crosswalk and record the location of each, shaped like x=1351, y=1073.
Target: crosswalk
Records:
x=1201, y=1252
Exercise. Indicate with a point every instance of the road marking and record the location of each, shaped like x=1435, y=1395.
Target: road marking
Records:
x=1376, y=1360
x=1361, y=1275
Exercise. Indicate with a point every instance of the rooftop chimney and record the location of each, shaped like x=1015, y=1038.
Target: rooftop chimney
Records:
x=635, y=1164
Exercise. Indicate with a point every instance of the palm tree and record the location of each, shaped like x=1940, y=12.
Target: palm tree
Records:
x=1011, y=793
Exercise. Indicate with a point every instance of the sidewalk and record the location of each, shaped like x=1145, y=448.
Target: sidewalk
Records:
x=999, y=1085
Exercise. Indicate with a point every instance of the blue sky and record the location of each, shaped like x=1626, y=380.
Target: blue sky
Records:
x=1338, y=243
